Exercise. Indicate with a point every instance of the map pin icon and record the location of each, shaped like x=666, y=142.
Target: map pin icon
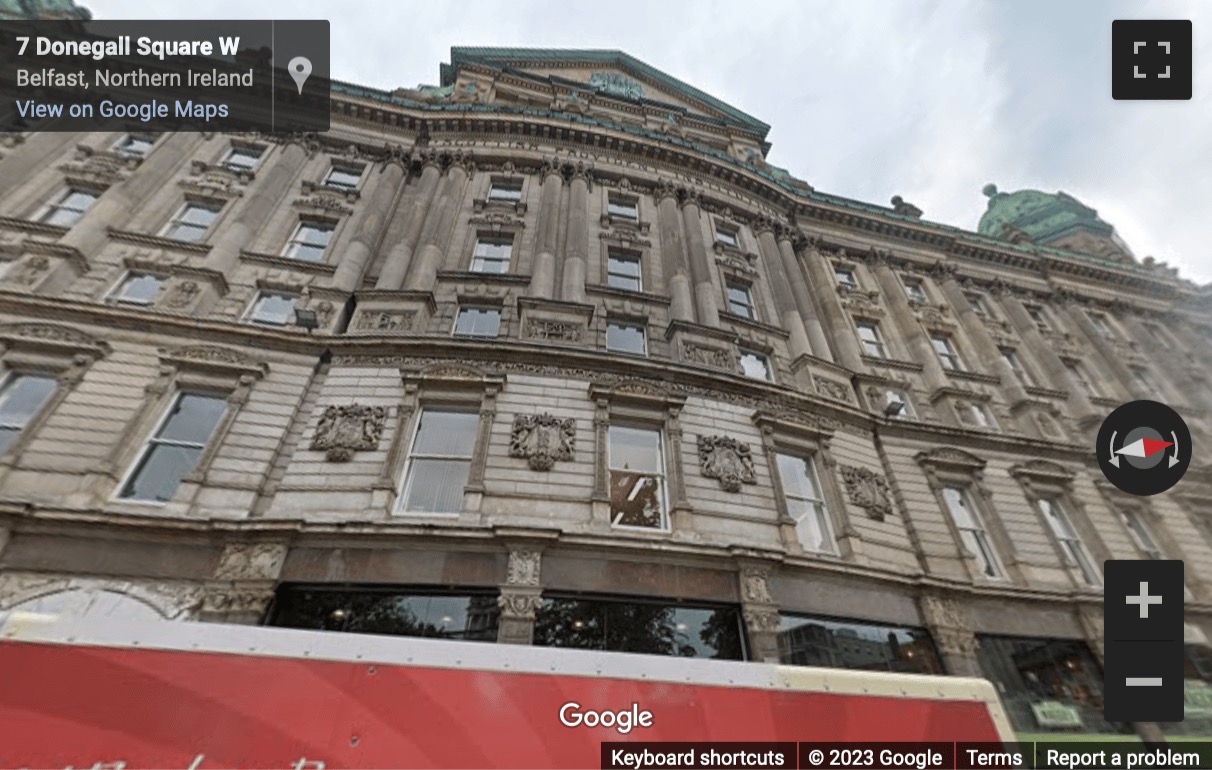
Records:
x=299, y=68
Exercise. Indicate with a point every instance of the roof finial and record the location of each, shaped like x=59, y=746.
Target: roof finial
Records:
x=989, y=190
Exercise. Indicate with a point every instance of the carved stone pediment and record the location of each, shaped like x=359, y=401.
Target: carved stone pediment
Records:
x=215, y=181
x=343, y=430
x=862, y=303
x=950, y=457
x=217, y=356
x=868, y=490
x=53, y=336
x=552, y=330
x=1043, y=470
x=543, y=439
x=728, y=460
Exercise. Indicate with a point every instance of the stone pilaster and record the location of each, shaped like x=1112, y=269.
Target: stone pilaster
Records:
x=673, y=254
x=242, y=585
x=987, y=351
x=576, y=243
x=781, y=286
x=542, y=279
x=367, y=224
x=920, y=347
x=760, y=612
x=399, y=255
x=521, y=596
x=823, y=285
x=439, y=226
x=951, y=629
x=1106, y=359
x=700, y=270
x=817, y=340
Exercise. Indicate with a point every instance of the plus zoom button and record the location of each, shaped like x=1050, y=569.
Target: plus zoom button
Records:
x=1143, y=649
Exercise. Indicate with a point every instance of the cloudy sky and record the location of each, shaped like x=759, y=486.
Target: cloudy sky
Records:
x=925, y=99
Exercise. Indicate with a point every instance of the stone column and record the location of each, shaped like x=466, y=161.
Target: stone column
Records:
x=987, y=351
x=823, y=286
x=952, y=632
x=1107, y=360
x=242, y=586
x=521, y=597
x=124, y=201
x=920, y=347
x=260, y=199
x=439, y=226
x=399, y=256
x=1055, y=369
x=760, y=612
x=542, y=277
x=576, y=242
x=700, y=268
x=368, y=223
x=817, y=340
x=780, y=284
x=673, y=253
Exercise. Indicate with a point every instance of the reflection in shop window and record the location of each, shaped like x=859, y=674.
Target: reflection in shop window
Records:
x=470, y=616
x=813, y=641
x=629, y=625
x=1046, y=685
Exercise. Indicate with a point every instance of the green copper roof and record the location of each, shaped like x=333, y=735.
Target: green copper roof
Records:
x=502, y=57
x=42, y=9
x=1042, y=216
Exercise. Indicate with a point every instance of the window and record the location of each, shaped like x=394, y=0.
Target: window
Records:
x=439, y=462
x=626, y=338
x=193, y=222
x=972, y=532
x=978, y=303
x=272, y=309
x=137, y=289
x=637, y=477
x=869, y=337
x=636, y=625
x=478, y=322
x=243, y=158
x=134, y=145
x=492, y=255
x=505, y=191
x=343, y=178
x=66, y=211
x=21, y=396
x=947, y=353
x=806, y=503
x=740, y=300
x=854, y=644
x=310, y=241
x=1037, y=315
x=1072, y=545
x=756, y=365
x=1141, y=535
x=468, y=616
x=977, y=413
x=620, y=208
x=1016, y=366
x=1102, y=325
x=727, y=236
x=174, y=449
x=914, y=291
x=845, y=277
x=894, y=396
x=1078, y=374
x=623, y=270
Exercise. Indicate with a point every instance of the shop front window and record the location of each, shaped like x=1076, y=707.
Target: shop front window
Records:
x=468, y=616
x=830, y=643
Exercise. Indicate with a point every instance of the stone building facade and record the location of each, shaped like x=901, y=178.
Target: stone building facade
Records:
x=553, y=337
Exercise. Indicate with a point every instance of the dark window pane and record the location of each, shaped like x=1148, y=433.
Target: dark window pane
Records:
x=469, y=617
x=192, y=419
x=159, y=472
x=811, y=641
x=643, y=627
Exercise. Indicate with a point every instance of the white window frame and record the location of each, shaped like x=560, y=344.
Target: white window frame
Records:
x=631, y=257
x=877, y=339
x=762, y=358
x=818, y=507
x=114, y=296
x=949, y=357
x=152, y=439
x=986, y=555
x=341, y=168
x=250, y=315
x=178, y=220
x=1141, y=534
x=509, y=186
x=241, y=149
x=631, y=325
x=662, y=475
x=121, y=146
x=294, y=244
x=59, y=204
x=1073, y=548
x=746, y=290
x=406, y=482
x=483, y=259
x=454, y=331
x=623, y=209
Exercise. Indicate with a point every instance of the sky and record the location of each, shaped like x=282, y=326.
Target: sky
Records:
x=926, y=99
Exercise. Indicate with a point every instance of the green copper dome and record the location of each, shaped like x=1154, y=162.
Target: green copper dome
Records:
x=1041, y=216
x=42, y=9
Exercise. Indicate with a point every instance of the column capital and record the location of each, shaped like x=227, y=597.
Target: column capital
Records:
x=520, y=603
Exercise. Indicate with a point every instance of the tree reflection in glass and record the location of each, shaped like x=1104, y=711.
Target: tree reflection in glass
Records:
x=643, y=627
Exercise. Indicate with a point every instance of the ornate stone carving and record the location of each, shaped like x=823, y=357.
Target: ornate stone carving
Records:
x=833, y=390
x=343, y=430
x=761, y=621
x=561, y=331
x=379, y=320
x=951, y=457
x=216, y=354
x=705, y=354
x=543, y=439
x=524, y=568
x=615, y=84
x=172, y=600
x=726, y=459
x=901, y=206
x=753, y=586
x=251, y=561
x=30, y=271
x=182, y=294
x=1065, y=344
x=868, y=490
x=498, y=220
x=519, y=606
x=52, y=333
x=237, y=600
x=324, y=310
x=325, y=202
x=956, y=641
x=936, y=317
x=944, y=612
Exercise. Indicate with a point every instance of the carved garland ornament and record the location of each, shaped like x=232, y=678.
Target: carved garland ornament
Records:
x=343, y=430
x=543, y=439
x=867, y=489
x=726, y=459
